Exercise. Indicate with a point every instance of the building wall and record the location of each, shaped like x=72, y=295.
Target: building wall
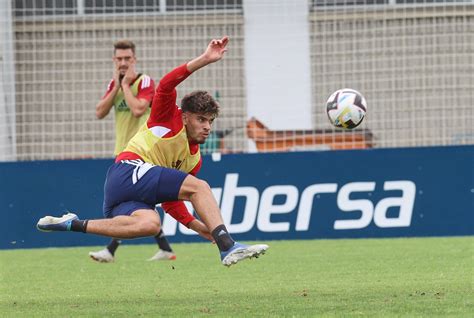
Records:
x=413, y=65
x=64, y=67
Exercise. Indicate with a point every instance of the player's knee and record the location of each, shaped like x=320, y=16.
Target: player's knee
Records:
x=149, y=228
x=192, y=187
x=203, y=186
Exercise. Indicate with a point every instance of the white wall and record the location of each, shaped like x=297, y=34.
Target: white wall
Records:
x=277, y=63
x=7, y=85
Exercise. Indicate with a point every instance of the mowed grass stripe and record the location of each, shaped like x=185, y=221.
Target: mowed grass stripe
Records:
x=376, y=277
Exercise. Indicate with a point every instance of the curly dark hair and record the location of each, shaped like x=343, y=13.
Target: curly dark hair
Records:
x=200, y=102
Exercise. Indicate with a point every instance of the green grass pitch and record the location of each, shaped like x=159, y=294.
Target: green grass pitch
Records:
x=417, y=277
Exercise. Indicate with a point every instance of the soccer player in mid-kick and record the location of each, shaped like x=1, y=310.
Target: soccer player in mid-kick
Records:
x=159, y=165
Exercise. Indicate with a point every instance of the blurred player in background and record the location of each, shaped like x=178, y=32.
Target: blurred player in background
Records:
x=158, y=165
x=130, y=94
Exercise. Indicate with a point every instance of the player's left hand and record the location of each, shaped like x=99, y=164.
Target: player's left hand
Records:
x=216, y=49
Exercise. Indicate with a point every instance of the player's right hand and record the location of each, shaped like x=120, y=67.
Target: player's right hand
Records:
x=116, y=78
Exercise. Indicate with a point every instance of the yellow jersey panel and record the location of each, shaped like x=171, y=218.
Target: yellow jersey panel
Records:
x=170, y=152
x=126, y=125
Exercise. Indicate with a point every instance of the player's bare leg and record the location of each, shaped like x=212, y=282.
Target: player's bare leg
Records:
x=199, y=193
x=140, y=223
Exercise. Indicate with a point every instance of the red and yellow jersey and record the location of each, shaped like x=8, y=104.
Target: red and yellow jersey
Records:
x=163, y=141
x=127, y=125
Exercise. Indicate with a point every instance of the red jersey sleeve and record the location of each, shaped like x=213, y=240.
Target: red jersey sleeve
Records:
x=146, y=88
x=196, y=169
x=178, y=211
x=164, y=101
x=109, y=88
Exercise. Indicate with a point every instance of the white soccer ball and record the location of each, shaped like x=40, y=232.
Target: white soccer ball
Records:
x=346, y=108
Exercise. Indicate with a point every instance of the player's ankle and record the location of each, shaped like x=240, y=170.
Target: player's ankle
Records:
x=222, y=238
x=79, y=226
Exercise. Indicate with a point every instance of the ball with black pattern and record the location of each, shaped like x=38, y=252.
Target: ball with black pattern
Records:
x=346, y=108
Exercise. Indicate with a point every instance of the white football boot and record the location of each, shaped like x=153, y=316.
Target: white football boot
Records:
x=52, y=223
x=163, y=256
x=239, y=252
x=102, y=256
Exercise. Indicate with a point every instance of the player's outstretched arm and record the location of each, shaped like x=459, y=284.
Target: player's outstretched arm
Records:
x=213, y=53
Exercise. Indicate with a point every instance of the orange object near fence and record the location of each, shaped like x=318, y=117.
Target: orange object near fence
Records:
x=267, y=140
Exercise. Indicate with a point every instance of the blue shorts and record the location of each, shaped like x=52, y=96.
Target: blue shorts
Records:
x=133, y=184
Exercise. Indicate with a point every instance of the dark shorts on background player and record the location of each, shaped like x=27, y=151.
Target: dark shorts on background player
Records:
x=133, y=184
